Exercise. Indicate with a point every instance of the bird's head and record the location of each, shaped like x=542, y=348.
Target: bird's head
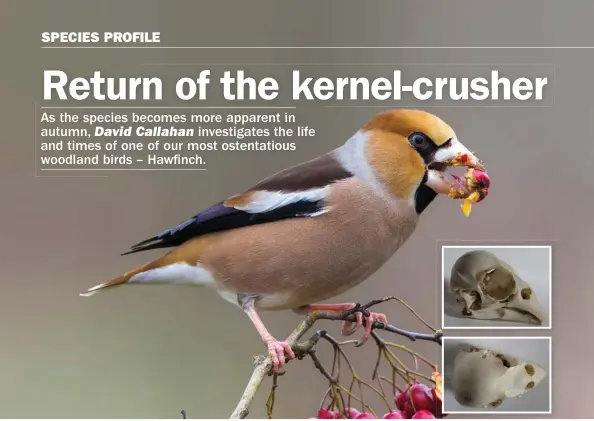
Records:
x=411, y=152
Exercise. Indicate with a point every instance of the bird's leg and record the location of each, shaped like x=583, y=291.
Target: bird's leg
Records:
x=347, y=326
x=276, y=349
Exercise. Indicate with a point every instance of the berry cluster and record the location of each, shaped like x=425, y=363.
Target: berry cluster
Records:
x=417, y=401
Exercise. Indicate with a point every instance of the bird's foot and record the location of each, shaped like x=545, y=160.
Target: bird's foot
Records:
x=277, y=351
x=349, y=327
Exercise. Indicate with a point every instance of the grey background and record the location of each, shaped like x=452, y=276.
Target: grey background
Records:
x=535, y=350
x=149, y=352
x=531, y=264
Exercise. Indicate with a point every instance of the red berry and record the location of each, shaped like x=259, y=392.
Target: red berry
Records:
x=482, y=177
x=408, y=410
x=421, y=397
x=394, y=415
x=365, y=416
x=402, y=398
x=327, y=414
x=351, y=413
x=483, y=182
x=423, y=414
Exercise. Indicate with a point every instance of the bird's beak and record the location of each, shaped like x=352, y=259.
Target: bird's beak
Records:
x=455, y=154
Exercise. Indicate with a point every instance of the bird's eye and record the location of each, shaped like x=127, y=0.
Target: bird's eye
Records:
x=418, y=140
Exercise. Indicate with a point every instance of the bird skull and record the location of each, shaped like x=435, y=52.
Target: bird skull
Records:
x=483, y=378
x=488, y=288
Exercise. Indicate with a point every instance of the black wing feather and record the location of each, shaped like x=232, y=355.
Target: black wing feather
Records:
x=315, y=173
x=220, y=218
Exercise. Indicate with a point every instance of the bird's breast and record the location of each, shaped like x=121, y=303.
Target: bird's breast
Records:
x=300, y=261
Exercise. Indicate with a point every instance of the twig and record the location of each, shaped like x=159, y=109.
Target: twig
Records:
x=263, y=365
x=318, y=364
x=401, y=301
x=271, y=397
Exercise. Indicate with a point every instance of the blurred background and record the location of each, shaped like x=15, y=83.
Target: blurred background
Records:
x=150, y=352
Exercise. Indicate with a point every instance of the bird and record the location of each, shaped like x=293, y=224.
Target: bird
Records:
x=314, y=230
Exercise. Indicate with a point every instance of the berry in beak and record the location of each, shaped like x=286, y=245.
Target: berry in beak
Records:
x=473, y=187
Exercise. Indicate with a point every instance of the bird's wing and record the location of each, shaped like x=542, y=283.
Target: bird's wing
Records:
x=298, y=191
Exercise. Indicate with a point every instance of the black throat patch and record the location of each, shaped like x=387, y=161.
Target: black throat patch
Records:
x=423, y=196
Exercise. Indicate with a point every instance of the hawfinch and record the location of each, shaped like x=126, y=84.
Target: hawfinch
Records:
x=317, y=229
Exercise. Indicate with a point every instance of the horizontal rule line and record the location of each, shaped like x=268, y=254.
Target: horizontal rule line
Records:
x=468, y=47
x=122, y=169
x=162, y=107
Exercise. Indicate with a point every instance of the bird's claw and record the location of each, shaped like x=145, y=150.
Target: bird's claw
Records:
x=349, y=327
x=276, y=351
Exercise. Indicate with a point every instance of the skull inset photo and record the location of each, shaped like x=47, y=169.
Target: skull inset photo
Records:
x=490, y=287
x=505, y=374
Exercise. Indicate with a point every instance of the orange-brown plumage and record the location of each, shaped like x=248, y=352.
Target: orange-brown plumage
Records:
x=122, y=279
x=239, y=200
x=386, y=148
x=404, y=122
x=298, y=261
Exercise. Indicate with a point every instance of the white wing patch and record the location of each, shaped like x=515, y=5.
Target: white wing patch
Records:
x=265, y=201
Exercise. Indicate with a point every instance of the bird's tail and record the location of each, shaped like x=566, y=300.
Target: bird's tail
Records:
x=122, y=279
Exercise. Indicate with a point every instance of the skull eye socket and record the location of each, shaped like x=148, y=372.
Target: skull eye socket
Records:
x=498, y=284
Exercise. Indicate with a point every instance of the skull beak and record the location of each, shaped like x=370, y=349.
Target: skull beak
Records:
x=525, y=307
x=520, y=376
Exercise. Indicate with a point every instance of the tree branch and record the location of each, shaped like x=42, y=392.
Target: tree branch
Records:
x=263, y=365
